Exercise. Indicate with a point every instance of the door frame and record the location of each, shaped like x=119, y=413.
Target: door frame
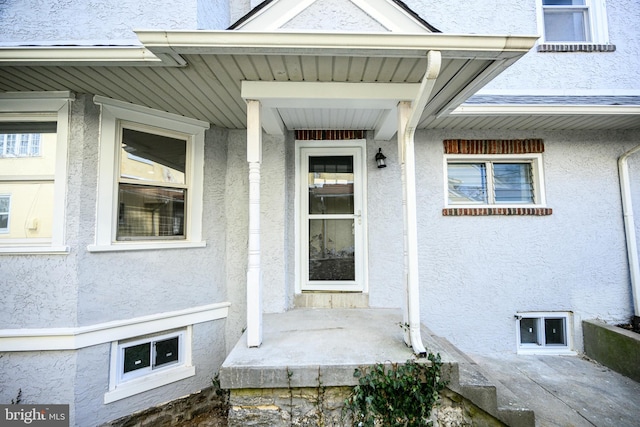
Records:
x=332, y=148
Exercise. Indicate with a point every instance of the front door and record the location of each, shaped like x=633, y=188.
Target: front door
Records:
x=332, y=216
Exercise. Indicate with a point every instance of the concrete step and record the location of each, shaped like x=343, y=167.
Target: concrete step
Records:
x=472, y=383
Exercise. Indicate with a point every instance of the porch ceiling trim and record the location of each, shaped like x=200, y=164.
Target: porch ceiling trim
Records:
x=202, y=74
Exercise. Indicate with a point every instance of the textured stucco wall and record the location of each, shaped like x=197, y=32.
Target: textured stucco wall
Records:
x=477, y=272
x=92, y=378
x=385, y=226
x=546, y=71
x=43, y=377
x=337, y=15
x=213, y=14
x=61, y=20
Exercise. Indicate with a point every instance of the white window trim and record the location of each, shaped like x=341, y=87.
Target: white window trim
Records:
x=543, y=349
x=536, y=170
x=598, y=24
x=43, y=107
x=113, y=112
x=120, y=387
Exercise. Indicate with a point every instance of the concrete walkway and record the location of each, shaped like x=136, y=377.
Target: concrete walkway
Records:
x=564, y=390
x=331, y=343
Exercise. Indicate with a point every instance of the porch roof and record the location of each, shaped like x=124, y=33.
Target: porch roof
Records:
x=200, y=74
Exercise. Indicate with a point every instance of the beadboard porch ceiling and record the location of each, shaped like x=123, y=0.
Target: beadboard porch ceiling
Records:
x=200, y=74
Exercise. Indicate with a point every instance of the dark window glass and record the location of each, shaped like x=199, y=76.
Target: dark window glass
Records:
x=529, y=330
x=554, y=332
x=137, y=357
x=166, y=351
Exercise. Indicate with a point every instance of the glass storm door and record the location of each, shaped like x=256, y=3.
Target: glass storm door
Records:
x=332, y=219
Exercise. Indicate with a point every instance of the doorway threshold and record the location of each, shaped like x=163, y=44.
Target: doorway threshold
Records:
x=331, y=300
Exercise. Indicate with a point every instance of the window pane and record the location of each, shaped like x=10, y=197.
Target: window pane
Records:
x=513, y=183
x=137, y=357
x=145, y=211
x=467, y=183
x=563, y=2
x=529, y=330
x=31, y=213
x=330, y=181
x=554, y=332
x=152, y=158
x=331, y=249
x=4, y=222
x=166, y=351
x=565, y=25
x=4, y=204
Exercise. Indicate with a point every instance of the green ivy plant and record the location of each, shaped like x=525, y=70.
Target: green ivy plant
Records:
x=396, y=395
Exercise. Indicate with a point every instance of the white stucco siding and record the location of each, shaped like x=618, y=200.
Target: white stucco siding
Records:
x=237, y=214
x=478, y=272
x=385, y=227
x=42, y=377
x=334, y=15
x=34, y=20
x=273, y=224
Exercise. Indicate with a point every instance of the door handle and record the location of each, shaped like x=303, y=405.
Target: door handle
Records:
x=358, y=215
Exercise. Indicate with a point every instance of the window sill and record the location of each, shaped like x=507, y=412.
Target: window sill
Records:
x=547, y=350
x=31, y=250
x=149, y=382
x=146, y=246
x=488, y=211
x=576, y=47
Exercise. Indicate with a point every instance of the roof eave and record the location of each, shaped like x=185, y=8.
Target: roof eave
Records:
x=340, y=44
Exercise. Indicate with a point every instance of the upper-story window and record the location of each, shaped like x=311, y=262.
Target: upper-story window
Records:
x=33, y=162
x=573, y=21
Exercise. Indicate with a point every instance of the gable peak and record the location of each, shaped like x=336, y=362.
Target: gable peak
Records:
x=334, y=15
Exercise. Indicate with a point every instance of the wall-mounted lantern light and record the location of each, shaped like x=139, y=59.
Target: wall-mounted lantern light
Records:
x=380, y=159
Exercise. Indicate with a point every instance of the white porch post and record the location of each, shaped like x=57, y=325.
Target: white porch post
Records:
x=254, y=270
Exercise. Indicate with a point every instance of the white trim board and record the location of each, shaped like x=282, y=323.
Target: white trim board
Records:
x=47, y=339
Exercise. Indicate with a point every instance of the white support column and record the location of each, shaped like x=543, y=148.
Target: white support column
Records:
x=254, y=270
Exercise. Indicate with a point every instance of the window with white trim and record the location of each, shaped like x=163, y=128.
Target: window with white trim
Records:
x=5, y=209
x=544, y=332
x=504, y=180
x=573, y=21
x=143, y=363
x=153, y=198
x=33, y=165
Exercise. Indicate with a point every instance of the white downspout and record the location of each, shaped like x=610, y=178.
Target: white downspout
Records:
x=629, y=227
x=434, y=61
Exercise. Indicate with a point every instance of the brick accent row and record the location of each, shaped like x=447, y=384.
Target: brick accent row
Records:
x=576, y=47
x=496, y=211
x=329, y=135
x=493, y=146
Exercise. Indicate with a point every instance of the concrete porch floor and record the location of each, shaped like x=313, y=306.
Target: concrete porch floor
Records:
x=303, y=344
